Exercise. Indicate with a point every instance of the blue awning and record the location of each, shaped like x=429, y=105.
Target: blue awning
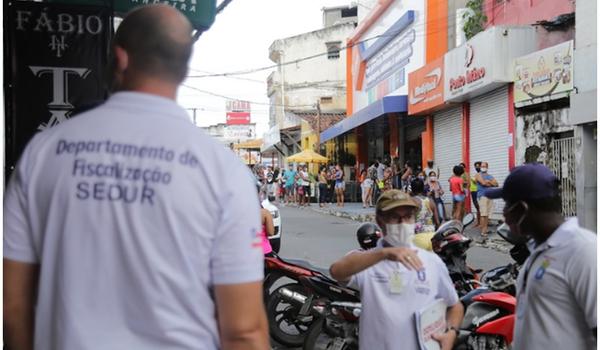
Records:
x=388, y=104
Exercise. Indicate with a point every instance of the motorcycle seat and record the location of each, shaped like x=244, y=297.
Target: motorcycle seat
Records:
x=305, y=264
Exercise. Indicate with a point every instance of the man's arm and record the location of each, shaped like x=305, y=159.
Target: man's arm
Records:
x=479, y=179
x=343, y=269
x=20, y=290
x=454, y=317
x=241, y=316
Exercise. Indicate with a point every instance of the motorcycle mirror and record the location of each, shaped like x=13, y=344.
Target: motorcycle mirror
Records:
x=506, y=234
x=468, y=219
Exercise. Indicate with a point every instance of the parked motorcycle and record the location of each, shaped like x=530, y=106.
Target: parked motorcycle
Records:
x=490, y=309
x=450, y=244
x=337, y=309
x=293, y=308
x=288, y=321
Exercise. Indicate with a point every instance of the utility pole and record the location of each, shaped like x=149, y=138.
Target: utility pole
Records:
x=318, y=126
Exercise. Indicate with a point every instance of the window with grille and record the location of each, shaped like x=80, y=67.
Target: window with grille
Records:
x=333, y=50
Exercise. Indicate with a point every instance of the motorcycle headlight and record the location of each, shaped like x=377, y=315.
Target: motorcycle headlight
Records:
x=275, y=214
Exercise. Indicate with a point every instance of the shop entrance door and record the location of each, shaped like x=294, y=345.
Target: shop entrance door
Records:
x=562, y=163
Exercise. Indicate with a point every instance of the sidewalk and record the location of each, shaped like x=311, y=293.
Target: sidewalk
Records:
x=356, y=212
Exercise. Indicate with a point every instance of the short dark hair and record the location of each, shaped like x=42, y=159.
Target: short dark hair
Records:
x=417, y=186
x=153, y=46
x=458, y=170
x=477, y=163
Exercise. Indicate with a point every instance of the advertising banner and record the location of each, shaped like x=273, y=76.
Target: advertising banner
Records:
x=426, y=87
x=56, y=66
x=544, y=73
x=240, y=132
x=237, y=118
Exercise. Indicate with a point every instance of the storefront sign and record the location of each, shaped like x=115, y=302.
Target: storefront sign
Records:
x=56, y=67
x=240, y=132
x=201, y=13
x=544, y=73
x=237, y=118
x=426, y=87
x=392, y=58
x=482, y=64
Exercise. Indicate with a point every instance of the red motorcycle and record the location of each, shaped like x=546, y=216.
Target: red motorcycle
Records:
x=490, y=309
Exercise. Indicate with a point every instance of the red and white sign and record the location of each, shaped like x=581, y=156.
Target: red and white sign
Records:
x=237, y=106
x=238, y=118
x=483, y=63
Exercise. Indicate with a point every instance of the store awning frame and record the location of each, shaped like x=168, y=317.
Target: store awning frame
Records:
x=388, y=104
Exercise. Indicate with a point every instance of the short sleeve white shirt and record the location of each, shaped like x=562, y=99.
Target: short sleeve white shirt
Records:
x=129, y=213
x=387, y=319
x=556, y=308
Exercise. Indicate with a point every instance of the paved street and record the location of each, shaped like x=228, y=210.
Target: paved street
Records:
x=321, y=239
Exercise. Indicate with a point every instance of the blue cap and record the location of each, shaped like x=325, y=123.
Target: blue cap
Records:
x=529, y=181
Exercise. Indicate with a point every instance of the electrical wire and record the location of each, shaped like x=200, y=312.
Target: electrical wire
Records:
x=306, y=58
x=233, y=98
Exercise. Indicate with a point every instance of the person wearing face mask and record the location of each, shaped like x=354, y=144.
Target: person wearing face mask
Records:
x=397, y=279
x=484, y=181
x=557, y=285
x=436, y=192
x=430, y=168
x=473, y=190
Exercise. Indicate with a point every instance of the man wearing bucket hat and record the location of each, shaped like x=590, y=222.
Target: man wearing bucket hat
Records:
x=397, y=279
x=556, y=289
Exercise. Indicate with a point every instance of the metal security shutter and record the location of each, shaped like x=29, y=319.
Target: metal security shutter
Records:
x=489, y=135
x=447, y=147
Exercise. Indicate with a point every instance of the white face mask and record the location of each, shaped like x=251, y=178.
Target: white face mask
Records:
x=484, y=170
x=433, y=178
x=400, y=235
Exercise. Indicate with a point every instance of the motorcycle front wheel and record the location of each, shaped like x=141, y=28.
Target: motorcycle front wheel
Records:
x=319, y=339
x=285, y=324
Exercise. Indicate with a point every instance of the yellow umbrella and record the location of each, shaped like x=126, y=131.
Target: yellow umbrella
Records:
x=307, y=156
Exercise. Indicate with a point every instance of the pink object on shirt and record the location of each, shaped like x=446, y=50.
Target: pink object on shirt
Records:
x=266, y=245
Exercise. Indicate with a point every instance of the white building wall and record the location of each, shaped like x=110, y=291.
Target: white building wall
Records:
x=309, y=80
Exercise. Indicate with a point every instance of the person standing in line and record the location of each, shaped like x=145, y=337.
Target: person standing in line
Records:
x=380, y=169
x=366, y=187
x=486, y=205
x=430, y=168
x=290, y=179
x=388, y=177
x=427, y=219
x=92, y=261
x=458, y=192
x=407, y=176
x=397, y=279
x=323, y=195
x=557, y=285
x=473, y=189
x=306, y=185
x=465, y=176
x=437, y=192
x=340, y=185
x=397, y=172
x=332, y=192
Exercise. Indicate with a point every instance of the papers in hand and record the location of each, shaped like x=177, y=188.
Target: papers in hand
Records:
x=429, y=321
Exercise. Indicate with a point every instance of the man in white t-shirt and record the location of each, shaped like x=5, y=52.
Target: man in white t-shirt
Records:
x=557, y=286
x=114, y=234
x=396, y=280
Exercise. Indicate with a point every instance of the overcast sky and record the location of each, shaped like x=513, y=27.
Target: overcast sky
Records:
x=238, y=40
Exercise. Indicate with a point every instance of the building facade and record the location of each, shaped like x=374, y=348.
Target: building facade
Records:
x=309, y=83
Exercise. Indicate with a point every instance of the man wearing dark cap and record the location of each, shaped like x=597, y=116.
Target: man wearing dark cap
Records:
x=397, y=279
x=114, y=237
x=556, y=290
